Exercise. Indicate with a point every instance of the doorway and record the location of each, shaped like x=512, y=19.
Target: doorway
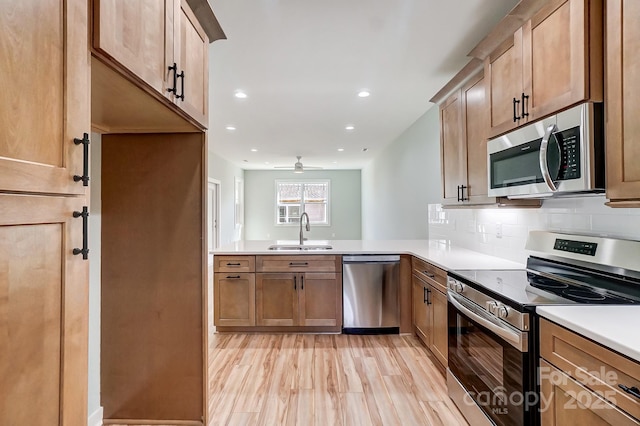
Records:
x=213, y=214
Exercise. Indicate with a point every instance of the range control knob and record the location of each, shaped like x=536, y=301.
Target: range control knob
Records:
x=502, y=311
x=492, y=307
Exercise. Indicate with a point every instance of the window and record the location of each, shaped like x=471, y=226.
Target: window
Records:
x=295, y=197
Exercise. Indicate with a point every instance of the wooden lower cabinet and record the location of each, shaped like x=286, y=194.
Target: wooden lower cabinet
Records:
x=430, y=317
x=579, y=380
x=234, y=298
x=564, y=401
x=298, y=299
x=43, y=312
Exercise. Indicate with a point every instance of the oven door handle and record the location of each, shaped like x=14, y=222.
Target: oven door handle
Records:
x=544, y=149
x=515, y=338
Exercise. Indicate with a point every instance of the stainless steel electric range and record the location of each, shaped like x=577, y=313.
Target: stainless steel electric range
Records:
x=493, y=328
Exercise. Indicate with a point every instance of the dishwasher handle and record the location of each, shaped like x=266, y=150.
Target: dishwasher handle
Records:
x=371, y=259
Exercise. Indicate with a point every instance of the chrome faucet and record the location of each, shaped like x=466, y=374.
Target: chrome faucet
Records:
x=308, y=227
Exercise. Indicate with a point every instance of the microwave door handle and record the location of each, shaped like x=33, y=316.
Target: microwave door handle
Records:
x=514, y=338
x=544, y=149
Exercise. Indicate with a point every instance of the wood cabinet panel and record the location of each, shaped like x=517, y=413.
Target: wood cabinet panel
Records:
x=298, y=263
x=622, y=103
x=277, y=299
x=503, y=73
x=439, y=328
x=420, y=312
x=452, y=146
x=46, y=70
x=139, y=36
x=475, y=118
x=234, y=263
x=234, y=299
x=320, y=299
x=193, y=60
x=566, y=402
x=433, y=275
x=574, y=354
x=43, y=312
x=153, y=277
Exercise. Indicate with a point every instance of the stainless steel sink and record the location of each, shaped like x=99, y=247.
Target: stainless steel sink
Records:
x=298, y=247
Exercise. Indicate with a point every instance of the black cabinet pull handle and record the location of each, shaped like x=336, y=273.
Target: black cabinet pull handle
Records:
x=302, y=283
x=458, y=194
x=298, y=263
x=461, y=193
x=424, y=295
x=85, y=160
x=295, y=283
x=233, y=264
x=173, y=89
x=233, y=277
x=84, y=251
x=515, y=117
x=429, y=274
x=181, y=77
x=428, y=296
x=525, y=98
x=630, y=390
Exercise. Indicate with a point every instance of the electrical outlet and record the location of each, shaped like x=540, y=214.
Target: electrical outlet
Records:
x=498, y=230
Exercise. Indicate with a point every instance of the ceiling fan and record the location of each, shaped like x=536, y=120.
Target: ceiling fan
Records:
x=297, y=167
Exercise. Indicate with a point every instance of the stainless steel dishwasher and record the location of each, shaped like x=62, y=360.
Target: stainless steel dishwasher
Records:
x=370, y=294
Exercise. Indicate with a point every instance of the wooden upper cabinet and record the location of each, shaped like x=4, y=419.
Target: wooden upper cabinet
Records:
x=193, y=63
x=623, y=103
x=553, y=62
x=453, y=149
x=474, y=116
x=45, y=70
x=503, y=73
x=139, y=36
x=162, y=44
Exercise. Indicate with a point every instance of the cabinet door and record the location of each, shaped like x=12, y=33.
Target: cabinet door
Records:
x=191, y=51
x=277, y=299
x=439, y=325
x=503, y=76
x=557, y=50
x=623, y=103
x=566, y=402
x=234, y=299
x=454, y=155
x=420, y=312
x=139, y=36
x=43, y=312
x=320, y=299
x=475, y=119
x=45, y=73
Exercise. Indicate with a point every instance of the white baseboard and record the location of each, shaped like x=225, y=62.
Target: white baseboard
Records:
x=95, y=419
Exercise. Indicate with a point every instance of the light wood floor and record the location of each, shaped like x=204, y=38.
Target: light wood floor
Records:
x=305, y=379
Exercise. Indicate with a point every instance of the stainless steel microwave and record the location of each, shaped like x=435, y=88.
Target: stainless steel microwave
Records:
x=561, y=155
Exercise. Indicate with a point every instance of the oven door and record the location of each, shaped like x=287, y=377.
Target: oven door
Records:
x=490, y=360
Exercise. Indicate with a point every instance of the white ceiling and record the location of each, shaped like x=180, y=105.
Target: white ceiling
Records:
x=302, y=63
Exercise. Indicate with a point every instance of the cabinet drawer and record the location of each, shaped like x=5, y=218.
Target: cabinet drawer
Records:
x=429, y=273
x=594, y=366
x=277, y=263
x=234, y=263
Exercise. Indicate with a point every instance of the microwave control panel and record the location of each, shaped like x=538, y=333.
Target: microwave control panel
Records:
x=569, y=141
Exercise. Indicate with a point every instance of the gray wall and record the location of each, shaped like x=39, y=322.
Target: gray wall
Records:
x=401, y=181
x=260, y=210
x=225, y=172
x=95, y=222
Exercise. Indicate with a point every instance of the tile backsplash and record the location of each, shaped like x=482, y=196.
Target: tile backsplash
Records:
x=503, y=232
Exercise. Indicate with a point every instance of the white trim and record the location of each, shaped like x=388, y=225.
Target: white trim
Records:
x=218, y=201
x=95, y=419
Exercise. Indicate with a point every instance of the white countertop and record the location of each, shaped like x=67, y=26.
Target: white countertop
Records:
x=612, y=326
x=438, y=252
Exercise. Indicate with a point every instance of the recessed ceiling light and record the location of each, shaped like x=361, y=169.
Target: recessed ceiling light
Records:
x=240, y=94
x=254, y=150
x=349, y=127
x=230, y=128
x=364, y=93
x=266, y=162
x=335, y=162
x=340, y=149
